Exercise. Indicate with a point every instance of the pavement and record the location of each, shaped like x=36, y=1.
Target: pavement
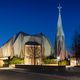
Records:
x=22, y=74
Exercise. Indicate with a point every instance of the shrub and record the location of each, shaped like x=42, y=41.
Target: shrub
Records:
x=16, y=60
x=50, y=61
x=63, y=63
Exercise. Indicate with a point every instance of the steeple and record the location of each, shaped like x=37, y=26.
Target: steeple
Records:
x=60, y=41
x=59, y=24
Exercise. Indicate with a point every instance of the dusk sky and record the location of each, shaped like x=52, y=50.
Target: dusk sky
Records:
x=35, y=16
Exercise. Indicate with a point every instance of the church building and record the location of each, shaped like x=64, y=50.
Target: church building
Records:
x=33, y=48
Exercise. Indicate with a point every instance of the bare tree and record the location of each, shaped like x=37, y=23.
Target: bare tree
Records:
x=76, y=45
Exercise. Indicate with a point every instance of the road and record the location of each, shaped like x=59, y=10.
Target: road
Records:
x=15, y=74
x=21, y=74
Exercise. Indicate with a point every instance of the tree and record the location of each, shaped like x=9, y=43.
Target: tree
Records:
x=76, y=45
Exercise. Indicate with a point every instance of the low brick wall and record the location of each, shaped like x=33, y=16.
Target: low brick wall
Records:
x=41, y=68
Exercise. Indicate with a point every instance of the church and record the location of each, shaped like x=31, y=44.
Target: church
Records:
x=33, y=48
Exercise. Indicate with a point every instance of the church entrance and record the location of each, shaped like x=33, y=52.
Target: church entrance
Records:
x=32, y=53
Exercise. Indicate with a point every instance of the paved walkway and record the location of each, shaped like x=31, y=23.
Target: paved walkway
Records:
x=17, y=74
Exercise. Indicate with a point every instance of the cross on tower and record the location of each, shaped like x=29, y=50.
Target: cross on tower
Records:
x=59, y=7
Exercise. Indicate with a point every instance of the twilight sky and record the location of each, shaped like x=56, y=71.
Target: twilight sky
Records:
x=35, y=16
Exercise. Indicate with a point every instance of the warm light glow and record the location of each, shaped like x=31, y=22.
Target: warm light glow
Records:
x=75, y=61
x=58, y=58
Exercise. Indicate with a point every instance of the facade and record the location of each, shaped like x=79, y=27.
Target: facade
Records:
x=30, y=47
x=60, y=52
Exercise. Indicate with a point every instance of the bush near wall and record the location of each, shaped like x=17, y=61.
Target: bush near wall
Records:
x=50, y=61
x=64, y=63
x=16, y=60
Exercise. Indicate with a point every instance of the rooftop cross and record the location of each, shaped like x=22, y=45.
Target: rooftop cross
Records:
x=59, y=24
x=59, y=7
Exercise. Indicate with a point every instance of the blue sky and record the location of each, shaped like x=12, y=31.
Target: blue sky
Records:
x=35, y=16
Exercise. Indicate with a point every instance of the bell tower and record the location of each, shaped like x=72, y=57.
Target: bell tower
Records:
x=59, y=48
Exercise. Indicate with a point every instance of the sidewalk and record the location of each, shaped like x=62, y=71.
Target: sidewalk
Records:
x=63, y=77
